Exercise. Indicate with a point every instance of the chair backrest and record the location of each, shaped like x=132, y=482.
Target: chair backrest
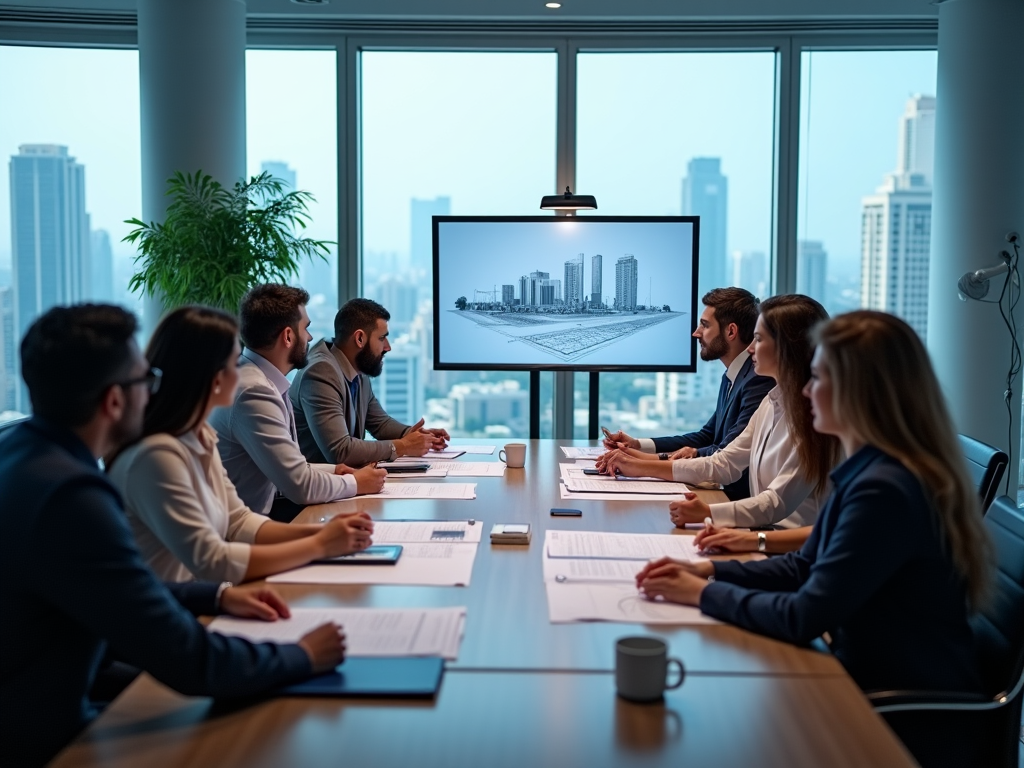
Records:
x=986, y=465
x=8, y=426
x=999, y=628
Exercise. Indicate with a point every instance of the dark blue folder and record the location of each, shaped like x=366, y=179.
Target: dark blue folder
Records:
x=407, y=676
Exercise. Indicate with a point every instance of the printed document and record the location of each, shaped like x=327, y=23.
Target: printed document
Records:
x=368, y=631
x=619, y=546
x=569, y=602
x=432, y=564
x=433, y=531
x=393, y=490
x=572, y=452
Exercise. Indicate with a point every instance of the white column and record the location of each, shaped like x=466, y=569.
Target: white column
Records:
x=978, y=198
x=192, y=83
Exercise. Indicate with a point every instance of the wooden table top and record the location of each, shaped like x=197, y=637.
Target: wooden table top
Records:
x=523, y=692
x=498, y=719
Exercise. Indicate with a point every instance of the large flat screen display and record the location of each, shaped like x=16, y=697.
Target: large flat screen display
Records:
x=587, y=293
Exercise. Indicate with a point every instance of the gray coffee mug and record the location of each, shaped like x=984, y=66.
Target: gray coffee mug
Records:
x=641, y=668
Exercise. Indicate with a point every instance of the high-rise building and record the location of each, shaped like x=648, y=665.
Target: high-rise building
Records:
x=508, y=295
x=400, y=385
x=280, y=170
x=400, y=298
x=538, y=290
x=421, y=234
x=896, y=224
x=475, y=405
x=750, y=271
x=706, y=194
x=812, y=266
x=625, y=283
x=574, y=282
x=101, y=256
x=8, y=352
x=596, y=273
x=49, y=235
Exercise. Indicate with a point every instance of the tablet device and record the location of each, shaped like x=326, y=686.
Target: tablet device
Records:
x=382, y=554
x=400, y=469
x=418, y=676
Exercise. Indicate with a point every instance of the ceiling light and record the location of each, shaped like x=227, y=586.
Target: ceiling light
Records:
x=552, y=5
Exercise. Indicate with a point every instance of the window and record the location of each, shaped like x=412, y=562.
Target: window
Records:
x=69, y=177
x=867, y=128
x=670, y=134
x=447, y=133
x=292, y=132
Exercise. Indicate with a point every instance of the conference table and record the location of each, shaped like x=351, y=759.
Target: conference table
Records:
x=524, y=691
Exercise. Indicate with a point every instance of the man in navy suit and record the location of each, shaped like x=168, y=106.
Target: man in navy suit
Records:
x=74, y=582
x=725, y=330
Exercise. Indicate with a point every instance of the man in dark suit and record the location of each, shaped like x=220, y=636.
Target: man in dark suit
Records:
x=74, y=583
x=725, y=330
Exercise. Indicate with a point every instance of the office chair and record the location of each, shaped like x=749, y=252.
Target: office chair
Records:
x=8, y=426
x=994, y=721
x=986, y=465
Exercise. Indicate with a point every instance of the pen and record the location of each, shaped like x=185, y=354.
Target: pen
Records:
x=707, y=524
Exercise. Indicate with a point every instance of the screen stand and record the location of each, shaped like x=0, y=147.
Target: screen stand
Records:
x=535, y=405
x=594, y=433
x=562, y=410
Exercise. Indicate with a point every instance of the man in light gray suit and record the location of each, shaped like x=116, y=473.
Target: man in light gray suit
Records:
x=257, y=440
x=334, y=402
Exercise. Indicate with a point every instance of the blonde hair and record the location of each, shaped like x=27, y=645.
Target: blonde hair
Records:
x=884, y=387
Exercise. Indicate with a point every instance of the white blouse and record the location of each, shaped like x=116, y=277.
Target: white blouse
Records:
x=187, y=519
x=779, y=494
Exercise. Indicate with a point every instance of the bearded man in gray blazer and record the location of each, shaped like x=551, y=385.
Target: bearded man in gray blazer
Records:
x=334, y=402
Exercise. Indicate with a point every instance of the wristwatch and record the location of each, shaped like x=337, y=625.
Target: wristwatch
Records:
x=394, y=452
x=762, y=541
x=224, y=587
x=663, y=456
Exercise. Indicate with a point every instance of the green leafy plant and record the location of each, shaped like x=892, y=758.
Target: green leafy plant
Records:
x=215, y=243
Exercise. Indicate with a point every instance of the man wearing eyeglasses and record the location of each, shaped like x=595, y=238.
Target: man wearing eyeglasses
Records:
x=75, y=586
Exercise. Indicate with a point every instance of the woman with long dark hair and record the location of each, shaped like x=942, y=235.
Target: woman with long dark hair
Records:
x=789, y=462
x=899, y=554
x=186, y=517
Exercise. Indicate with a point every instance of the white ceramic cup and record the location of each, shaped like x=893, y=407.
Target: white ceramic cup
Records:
x=641, y=668
x=514, y=455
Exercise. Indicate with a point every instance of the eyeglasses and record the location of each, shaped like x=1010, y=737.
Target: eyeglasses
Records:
x=151, y=379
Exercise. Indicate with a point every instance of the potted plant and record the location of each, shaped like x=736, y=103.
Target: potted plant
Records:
x=216, y=243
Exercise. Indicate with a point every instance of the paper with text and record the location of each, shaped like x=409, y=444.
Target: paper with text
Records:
x=621, y=603
x=406, y=490
x=619, y=546
x=432, y=564
x=426, y=531
x=573, y=452
x=368, y=631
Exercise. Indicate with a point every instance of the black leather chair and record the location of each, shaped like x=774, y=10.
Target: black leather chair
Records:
x=986, y=465
x=8, y=426
x=935, y=725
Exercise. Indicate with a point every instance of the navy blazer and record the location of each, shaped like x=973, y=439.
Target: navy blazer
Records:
x=874, y=574
x=731, y=416
x=74, y=583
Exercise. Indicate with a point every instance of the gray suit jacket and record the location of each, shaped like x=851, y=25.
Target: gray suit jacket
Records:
x=259, y=453
x=320, y=397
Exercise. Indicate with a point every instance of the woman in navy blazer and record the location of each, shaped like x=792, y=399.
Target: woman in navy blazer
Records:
x=899, y=556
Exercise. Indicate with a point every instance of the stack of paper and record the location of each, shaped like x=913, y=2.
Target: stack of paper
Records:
x=434, y=553
x=368, y=631
x=590, y=576
x=450, y=468
x=576, y=485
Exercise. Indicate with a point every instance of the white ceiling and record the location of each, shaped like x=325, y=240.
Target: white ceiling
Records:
x=534, y=10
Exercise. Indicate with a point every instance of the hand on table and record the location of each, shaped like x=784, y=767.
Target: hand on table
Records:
x=726, y=540
x=416, y=442
x=622, y=461
x=686, y=452
x=440, y=437
x=325, y=647
x=369, y=479
x=344, y=534
x=258, y=602
x=673, y=580
x=689, y=509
